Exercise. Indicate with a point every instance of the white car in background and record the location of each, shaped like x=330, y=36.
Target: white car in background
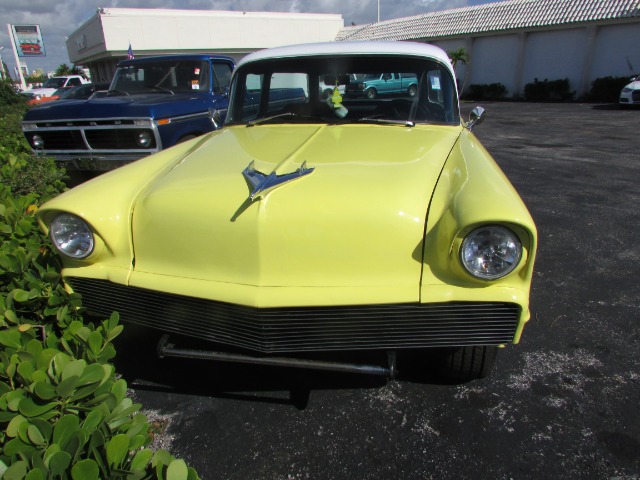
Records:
x=630, y=94
x=55, y=83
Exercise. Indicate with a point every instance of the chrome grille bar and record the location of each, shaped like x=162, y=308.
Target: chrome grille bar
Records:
x=298, y=329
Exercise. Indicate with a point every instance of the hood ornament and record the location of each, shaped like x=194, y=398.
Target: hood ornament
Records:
x=262, y=183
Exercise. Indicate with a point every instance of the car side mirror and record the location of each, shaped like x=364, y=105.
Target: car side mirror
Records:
x=476, y=117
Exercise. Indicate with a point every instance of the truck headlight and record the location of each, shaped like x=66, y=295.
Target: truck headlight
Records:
x=71, y=235
x=144, y=139
x=37, y=141
x=490, y=252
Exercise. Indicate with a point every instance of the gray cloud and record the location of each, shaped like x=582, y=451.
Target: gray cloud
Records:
x=60, y=18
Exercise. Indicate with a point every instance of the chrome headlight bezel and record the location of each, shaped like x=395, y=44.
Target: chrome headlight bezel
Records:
x=72, y=236
x=490, y=252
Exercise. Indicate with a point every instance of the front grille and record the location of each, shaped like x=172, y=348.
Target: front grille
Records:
x=88, y=135
x=123, y=139
x=62, y=140
x=298, y=329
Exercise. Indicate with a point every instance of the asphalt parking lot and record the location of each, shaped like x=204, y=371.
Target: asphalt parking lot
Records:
x=565, y=403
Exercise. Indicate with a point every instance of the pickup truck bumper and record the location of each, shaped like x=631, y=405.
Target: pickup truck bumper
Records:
x=93, y=162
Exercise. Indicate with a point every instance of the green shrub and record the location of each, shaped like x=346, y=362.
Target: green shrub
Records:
x=607, y=89
x=549, y=91
x=21, y=170
x=8, y=94
x=63, y=412
x=491, y=91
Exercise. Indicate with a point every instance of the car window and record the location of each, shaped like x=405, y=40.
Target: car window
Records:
x=343, y=89
x=222, y=75
x=162, y=76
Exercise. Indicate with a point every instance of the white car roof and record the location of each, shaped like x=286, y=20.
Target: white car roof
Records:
x=350, y=48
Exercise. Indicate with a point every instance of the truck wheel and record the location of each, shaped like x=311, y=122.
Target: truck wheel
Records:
x=413, y=90
x=372, y=93
x=463, y=364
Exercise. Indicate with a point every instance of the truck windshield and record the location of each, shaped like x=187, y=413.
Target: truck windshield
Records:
x=55, y=82
x=342, y=89
x=168, y=76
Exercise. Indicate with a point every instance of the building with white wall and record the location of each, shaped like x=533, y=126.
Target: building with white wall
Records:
x=104, y=39
x=514, y=42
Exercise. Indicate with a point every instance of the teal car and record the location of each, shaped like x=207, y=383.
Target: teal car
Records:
x=373, y=85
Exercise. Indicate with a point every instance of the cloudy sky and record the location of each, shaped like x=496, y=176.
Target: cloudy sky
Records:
x=58, y=19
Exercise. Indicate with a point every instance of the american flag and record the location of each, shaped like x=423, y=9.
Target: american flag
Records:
x=130, y=53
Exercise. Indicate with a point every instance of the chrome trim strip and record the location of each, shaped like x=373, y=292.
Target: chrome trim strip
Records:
x=166, y=349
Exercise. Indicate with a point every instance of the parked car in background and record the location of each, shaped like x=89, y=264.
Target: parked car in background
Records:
x=81, y=92
x=373, y=85
x=153, y=103
x=309, y=229
x=55, y=83
x=630, y=94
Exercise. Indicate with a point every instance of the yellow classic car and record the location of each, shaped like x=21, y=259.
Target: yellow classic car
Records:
x=313, y=226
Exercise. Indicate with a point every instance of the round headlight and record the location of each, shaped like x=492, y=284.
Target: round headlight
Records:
x=490, y=252
x=72, y=236
x=37, y=141
x=144, y=139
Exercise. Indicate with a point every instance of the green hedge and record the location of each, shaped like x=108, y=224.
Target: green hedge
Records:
x=607, y=89
x=549, y=91
x=491, y=91
x=64, y=414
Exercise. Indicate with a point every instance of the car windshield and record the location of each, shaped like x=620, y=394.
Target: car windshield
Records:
x=166, y=76
x=55, y=82
x=344, y=89
x=81, y=92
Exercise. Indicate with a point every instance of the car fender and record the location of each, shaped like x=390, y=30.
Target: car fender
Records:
x=472, y=191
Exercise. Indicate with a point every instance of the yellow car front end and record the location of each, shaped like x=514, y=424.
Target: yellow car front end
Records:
x=280, y=233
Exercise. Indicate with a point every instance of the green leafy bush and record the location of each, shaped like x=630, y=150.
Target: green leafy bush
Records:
x=607, y=89
x=64, y=414
x=8, y=94
x=549, y=91
x=21, y=170
x=491, y=91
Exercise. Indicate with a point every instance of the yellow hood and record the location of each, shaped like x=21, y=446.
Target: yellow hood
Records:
x=356, y=220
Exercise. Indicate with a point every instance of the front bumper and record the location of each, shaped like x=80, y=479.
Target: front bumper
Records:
x=630, y=98
x=95, y=162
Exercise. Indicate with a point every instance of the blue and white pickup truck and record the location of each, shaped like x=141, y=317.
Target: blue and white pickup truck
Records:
x=152, y=103
x=373, y=85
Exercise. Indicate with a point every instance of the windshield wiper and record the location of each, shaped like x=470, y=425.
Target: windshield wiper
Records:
x=117, y=92
x=406, y=123
x=162, y=89
x=267, y=119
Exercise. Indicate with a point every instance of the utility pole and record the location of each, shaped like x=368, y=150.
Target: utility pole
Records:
x=1, y=64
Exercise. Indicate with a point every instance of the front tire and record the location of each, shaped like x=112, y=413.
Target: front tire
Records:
x=464, y=364
x=372, y=93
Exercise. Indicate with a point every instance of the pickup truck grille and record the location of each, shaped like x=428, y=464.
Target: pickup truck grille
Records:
x=110, y=139
x=63, y=140
x=90, y=135
x=298, y=329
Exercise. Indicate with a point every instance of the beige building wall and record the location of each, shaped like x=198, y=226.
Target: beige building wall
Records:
x=105, y=38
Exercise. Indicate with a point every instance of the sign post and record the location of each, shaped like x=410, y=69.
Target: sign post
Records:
x=26, y=41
